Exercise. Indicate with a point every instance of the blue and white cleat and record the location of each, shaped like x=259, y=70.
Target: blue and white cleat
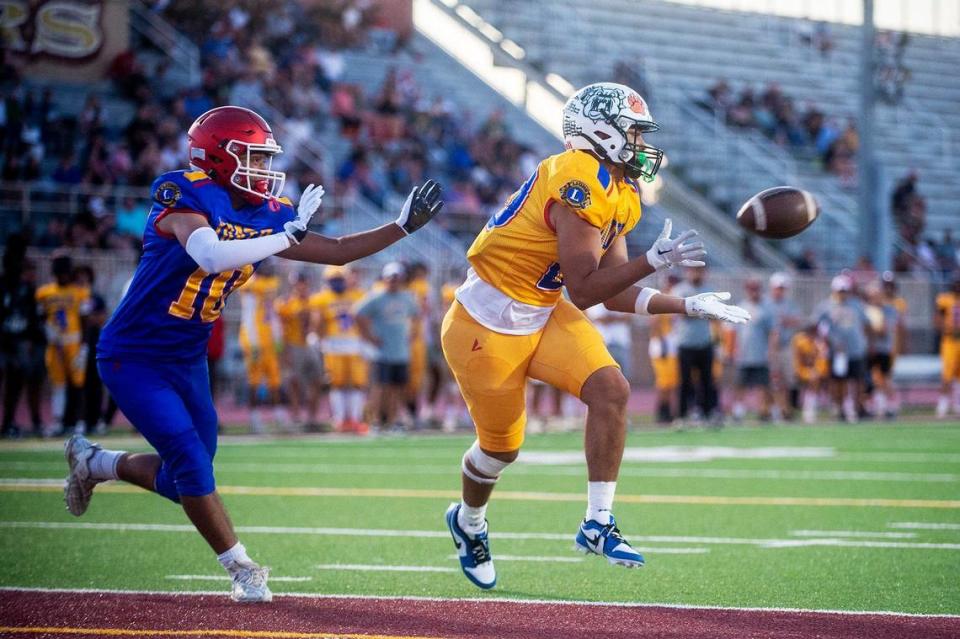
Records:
x=606, y=541
x=473, y=550
x=78, y=487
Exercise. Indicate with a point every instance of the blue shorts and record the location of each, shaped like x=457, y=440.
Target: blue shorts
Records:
x=170, y=404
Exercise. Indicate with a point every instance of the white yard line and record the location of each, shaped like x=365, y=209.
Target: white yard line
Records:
x=627, y=470
x=919, y=525
x=227, y=578
x=383, y=568
x=616, y=604
x=852, y=533
x=537, y=558
x=521, y=536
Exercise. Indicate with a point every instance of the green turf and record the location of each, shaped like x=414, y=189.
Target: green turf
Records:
x=914, y=461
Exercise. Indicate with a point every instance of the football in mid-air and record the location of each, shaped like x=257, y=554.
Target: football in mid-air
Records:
x=778, y=213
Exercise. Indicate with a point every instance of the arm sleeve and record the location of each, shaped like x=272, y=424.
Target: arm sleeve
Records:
x=215, y=256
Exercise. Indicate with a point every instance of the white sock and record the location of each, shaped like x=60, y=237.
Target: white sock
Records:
x=58, y=401
x=236, y=555
x=943, y=405
x=472, y=518
x=739, y=411
x=338, y=405
x=103, y=464
x=880, y=403
x=356, y=398
x=600, y=500
x=809, y=407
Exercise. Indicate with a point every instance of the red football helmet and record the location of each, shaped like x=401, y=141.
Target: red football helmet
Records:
x=222, y=143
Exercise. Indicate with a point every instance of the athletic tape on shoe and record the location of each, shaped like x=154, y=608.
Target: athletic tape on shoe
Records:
x=489, y=467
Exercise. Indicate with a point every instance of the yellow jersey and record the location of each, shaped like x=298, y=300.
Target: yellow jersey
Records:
x=294, y=314
x=339, y=329
x=948, y=306
x=516, y=252
x=63, y=307
x=447, y=294
x=263, y=290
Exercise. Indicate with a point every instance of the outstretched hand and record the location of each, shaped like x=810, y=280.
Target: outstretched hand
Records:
x=422, y=205
x=667, y=252
x=310, y=201
x=711, y=306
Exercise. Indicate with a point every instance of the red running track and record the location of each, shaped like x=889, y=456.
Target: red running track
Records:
x=92, y=614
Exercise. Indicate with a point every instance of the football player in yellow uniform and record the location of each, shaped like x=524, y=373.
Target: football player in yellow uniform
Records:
x=419, y=285
x=948, y=325
x=807, y=369
x=564, y=227
x=335, y=323
x=663, y=358
x=63, y=303
x=301, y=362
x=260, y=341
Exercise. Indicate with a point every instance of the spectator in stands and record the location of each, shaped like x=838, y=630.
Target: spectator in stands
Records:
x=948, y=253
x=695, y=350
x=22, y=337
x=386, y=321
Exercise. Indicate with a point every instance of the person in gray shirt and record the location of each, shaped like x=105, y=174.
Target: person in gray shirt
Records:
x=843, y=319
x=884, y=323
x=695, y=351
x=753, y=352
x=386, y=321
x=787, y=319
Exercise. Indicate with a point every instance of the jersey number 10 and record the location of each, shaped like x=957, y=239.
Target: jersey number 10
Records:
x=220, y=286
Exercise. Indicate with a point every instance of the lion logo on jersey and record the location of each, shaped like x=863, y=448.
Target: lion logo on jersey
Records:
x=575, y=194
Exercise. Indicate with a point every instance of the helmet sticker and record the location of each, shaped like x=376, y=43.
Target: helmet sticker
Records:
x=637, y=105
x=575, y=194
x=167, y=193
x=601, y=102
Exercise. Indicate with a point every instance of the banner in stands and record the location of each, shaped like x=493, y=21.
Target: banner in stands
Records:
x=73, y=40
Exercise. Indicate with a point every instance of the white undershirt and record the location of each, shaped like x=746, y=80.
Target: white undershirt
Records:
x=498, y=311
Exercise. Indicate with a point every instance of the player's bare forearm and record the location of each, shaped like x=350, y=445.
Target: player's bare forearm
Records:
x=592, y=277
x=320, y=249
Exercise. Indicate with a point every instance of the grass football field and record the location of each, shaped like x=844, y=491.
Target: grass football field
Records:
x=858, y=518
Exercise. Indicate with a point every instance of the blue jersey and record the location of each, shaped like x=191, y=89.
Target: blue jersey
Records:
x=171, y=304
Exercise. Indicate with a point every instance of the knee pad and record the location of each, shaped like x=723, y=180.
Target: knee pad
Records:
x=491, y=467
x=190, y=465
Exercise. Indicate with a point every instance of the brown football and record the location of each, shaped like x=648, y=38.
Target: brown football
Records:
x=778, y=213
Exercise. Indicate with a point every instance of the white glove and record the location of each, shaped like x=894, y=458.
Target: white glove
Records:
x=711, y=306
x=667, y=252
x=310, y=201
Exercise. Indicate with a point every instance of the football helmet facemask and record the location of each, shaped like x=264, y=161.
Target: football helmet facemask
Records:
x=609, y=120
x=224, y=144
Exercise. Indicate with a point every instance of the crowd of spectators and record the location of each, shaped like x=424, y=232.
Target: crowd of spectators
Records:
x=291, y=64
x=805, y=129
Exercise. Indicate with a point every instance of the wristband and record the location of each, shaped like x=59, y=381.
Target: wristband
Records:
x=643, y=300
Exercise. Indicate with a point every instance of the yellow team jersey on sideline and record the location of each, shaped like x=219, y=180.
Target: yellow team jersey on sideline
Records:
x=948, y=305
x=336, y=310
x=516, y=252
x=805, y=355
x=264, y=289
x=420, y=289
x=63, y=307
x=294, y=317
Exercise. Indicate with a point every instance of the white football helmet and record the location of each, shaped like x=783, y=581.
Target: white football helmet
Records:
x=598, y=117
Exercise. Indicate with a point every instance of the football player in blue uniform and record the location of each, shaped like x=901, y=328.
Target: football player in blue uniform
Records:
x=208, y=230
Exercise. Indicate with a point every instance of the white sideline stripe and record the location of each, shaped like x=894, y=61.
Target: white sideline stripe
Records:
x=852, y=533
x=382, y=568
x=918, y=525
x=436, y=534
x=227, y=578
x=565, y=471
x=555, y=602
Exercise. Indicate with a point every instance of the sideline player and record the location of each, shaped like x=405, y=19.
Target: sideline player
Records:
x=564, y=227
x=334, y=320
x=947, y=322
x=663, y=358
x=301, y=363
x=64, y=302
x=207, y=231
x=261, y=342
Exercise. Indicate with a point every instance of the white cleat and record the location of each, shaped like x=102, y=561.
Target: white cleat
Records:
x=249, y=583
x=78, y=487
